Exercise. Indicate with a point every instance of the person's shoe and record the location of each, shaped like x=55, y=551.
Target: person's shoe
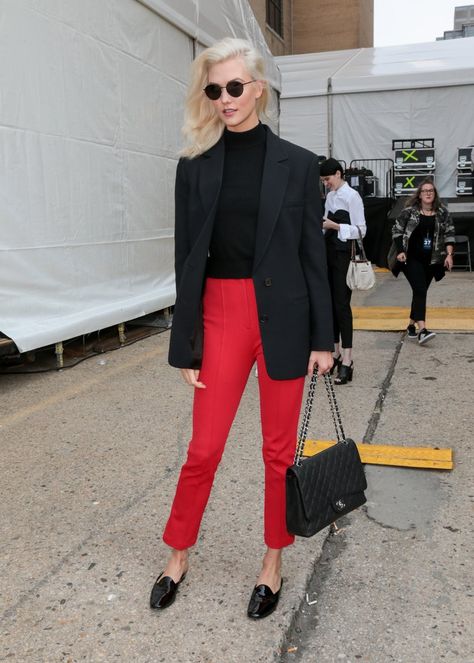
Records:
x=263, y=602
x=164, y=591
x=424, y=336
x=344, y=374
x=411, y=332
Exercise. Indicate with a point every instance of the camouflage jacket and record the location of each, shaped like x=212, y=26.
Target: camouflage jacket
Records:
x=443, y=231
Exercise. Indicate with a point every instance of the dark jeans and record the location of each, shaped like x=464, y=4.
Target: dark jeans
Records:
x=419, y=275
x=338, y=264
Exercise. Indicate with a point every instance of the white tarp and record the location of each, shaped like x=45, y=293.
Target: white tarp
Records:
x=90, y=115
x=352, y=104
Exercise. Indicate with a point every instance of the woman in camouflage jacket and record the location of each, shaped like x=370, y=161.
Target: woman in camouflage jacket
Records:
x=422, y=248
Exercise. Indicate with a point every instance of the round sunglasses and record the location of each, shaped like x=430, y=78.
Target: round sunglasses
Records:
x=233, y=88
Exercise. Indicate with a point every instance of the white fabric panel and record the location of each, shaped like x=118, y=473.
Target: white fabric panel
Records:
x=365, y=124
x=208, y=20
x=435, y=64
x=307, y=75
x=412, y=66
x=183, y=14
x=81, y=246
x=381, y=94
x=154, y=124
x=63, y=310
x=304, y=122
x=92, y=99
x=47, y=81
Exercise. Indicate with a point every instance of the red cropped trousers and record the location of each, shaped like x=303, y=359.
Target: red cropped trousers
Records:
x=232, y=343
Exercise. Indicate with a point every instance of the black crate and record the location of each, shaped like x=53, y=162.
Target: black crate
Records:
x=464, y=184
x=465, y=156
x=357, y=182
x=404, y=184
x=413, y=159
x=370, y=189
x=363, y=181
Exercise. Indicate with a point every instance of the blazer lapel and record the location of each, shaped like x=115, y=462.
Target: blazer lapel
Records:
x=210, y=176
x=272, y=194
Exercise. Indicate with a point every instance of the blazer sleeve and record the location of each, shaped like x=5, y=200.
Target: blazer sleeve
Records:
x=398, y=229
x=313, y=261
x=181, y=231
x=449, y=233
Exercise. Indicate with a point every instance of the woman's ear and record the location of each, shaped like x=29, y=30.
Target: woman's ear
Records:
x=260, y=86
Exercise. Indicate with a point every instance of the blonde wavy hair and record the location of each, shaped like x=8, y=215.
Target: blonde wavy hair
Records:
x=202, y=126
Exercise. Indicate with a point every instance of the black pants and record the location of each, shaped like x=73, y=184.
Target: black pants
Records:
x=419, y=275
x=338, y=264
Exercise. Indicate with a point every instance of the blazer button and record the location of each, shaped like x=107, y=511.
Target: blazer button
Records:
x=263, y=318
x=268, y=282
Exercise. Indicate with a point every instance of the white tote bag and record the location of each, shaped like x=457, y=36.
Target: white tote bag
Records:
x=360, y=275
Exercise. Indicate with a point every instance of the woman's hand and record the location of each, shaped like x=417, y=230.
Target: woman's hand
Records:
x=330, y=225
x=402, y=257
x=191, y=377
x=323, y=359
x=448, y=262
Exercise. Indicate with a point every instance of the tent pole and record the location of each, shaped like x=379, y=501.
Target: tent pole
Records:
x=329, y=117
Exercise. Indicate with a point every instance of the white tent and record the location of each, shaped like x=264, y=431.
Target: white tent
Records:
x=351, y=104
x=90, y=115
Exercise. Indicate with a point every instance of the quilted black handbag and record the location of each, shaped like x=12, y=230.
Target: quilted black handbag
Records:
x=324, y=487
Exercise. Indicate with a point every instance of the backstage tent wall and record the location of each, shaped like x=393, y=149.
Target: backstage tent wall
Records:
x=91, y=109
x=351, y=104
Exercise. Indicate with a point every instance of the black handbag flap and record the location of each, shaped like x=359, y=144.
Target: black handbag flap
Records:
x=343, y=502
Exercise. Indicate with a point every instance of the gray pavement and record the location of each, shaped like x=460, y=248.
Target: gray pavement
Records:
x=90, y=458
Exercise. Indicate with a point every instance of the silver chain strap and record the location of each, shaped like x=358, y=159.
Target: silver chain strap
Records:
x=336, y=415
x=306, y=417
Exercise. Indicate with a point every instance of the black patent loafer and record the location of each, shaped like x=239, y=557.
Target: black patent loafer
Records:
x=263, y=602
x=164, y=591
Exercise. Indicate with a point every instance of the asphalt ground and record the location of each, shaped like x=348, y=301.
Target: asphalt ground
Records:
x=90, y=458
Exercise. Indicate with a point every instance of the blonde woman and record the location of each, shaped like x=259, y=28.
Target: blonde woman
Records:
x=251, y=286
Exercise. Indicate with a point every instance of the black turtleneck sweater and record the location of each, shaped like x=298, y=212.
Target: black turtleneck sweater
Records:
x=232, y=246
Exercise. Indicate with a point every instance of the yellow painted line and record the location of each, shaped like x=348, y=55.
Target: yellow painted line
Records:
x=395, y=318
x=386, y=454
x=380, y=270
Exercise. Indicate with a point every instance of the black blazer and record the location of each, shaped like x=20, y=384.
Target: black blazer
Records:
x=289, y=270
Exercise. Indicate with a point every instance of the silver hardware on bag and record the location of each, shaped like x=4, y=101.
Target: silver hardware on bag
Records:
x=336, y=415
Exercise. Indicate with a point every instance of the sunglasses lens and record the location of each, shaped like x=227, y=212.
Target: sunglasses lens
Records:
x=213, y=91
x=234, y=88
